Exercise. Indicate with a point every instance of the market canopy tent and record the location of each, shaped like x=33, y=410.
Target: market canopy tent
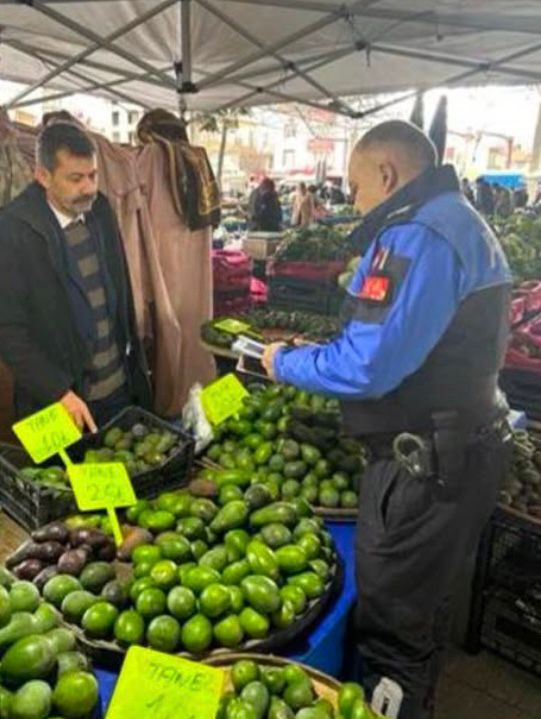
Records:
x=222, y=53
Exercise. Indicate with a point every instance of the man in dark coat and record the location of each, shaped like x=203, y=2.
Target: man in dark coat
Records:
x=66, y=308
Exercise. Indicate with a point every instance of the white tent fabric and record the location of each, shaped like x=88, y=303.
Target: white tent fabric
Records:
x=255, y=52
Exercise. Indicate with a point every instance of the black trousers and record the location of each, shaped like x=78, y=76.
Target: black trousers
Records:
x=412, y=540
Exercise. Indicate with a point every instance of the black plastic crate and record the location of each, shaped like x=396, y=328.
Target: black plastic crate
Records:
x=512, y=628
x=508, y=560
x=173, y=473
x=321, y=297
x=30, y=504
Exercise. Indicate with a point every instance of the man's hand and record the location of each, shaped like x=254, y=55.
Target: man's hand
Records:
x=79, y=411
x=268, y=357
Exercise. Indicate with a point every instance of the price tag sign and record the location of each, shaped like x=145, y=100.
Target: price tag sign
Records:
x=100, y=486
x=47, y=432
x=153, y=685
x=234, y=327
x=223, y=398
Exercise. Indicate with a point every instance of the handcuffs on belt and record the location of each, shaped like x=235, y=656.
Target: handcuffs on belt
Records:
x=415, y=454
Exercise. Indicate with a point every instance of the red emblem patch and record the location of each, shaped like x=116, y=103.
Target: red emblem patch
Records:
x=375, y=288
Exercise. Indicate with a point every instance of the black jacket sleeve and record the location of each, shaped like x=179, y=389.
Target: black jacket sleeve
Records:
x=32, y=370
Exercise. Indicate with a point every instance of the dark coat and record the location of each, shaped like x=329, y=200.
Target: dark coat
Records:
x=43, y=337
x=268, y=212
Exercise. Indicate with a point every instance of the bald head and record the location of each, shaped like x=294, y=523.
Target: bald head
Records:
x=388, y=157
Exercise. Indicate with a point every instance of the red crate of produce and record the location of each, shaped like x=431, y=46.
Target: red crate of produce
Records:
x=531, y=290
x=232, y=270
x=312, y=271
x=518, y=308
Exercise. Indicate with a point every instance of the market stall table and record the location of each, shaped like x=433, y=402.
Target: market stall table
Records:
x=323, y=647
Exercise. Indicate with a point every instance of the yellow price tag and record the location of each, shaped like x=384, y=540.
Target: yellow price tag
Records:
x=102, y=486
x=47, y=432
x=99, y=486
x=234, y=327
x=223, y=398
x=153, y=685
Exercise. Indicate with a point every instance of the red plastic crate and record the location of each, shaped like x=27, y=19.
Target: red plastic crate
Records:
x=518, y=308
x=232, y=270
x=312, y=271
x=531, y=291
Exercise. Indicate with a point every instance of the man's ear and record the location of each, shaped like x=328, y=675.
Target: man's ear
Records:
x=389, y=177
x=43, y=176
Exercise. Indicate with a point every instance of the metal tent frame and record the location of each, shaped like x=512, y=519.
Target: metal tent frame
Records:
x=278, y=70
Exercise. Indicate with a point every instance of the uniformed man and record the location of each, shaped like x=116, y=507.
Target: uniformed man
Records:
x=424, y=334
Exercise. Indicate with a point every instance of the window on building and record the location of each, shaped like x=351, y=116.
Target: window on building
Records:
x=133, y=117
x=290, y=130
x=116, y=118
x=289, y=158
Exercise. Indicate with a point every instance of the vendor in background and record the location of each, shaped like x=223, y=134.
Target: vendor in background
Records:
x=484, y=197
x=267, y=214
x=424, y=336
x=303, y=212
x=67, y=328
x=503, y=201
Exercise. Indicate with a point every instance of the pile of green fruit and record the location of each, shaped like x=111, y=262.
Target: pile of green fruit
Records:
x=215, y=574
x=522, y=486
x=317, y=328
x=52, y=477
x=275, y=692
x=314, y=244
x=139, y=448
x=41, y=673
x=290, y=442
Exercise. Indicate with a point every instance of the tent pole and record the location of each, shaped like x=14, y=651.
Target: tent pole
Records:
x=281, y=59
x=88, y=50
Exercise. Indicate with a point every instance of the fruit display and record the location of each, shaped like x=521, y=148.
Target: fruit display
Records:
x=274, y=324
x=41, y=674
x=140, y=448
x=344, y=280
x=57, y=549
x=214, y=574
x=314, y=244
x=522, y=487
x=53, y=477
x=286, y=690
x=520, y=237
x=290, y=443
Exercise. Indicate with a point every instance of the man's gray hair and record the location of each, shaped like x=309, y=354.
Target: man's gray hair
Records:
x=62, y=136
x=408, y=137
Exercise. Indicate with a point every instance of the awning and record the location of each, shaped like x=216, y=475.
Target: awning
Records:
x=222, y=53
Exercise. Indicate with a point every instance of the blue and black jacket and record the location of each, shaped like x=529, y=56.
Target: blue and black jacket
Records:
x=426, y=318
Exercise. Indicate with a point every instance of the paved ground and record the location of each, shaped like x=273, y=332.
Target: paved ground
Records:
x=487, y=687
x=472, y=687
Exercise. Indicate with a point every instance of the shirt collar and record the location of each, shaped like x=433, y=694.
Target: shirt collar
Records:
x=63, y=219
x=431, y=183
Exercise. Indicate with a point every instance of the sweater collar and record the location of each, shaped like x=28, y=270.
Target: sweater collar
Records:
x=431, y=183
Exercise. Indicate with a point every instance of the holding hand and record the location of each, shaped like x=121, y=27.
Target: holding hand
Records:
x=268, y=357
x=79, y=411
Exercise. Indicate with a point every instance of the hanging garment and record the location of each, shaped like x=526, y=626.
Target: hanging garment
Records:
x=15, y=174
x=195, y=192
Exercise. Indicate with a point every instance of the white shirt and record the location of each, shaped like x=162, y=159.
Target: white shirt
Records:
x=65, y=220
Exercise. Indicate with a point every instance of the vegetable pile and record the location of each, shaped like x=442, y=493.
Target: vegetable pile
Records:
x=212, y=574
x=270, y=692
x=522, y=488
x=55, y=549
x=290, y=443
x=314, y=244
x=41, y=675
x=520, y=236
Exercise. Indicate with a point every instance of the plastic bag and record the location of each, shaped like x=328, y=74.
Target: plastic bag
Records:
x=194, y=419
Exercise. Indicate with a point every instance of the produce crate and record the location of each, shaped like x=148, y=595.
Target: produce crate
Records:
x=30, y=504
x=231, y=270
x=512, y=631
x=518, y=308
x=173, y=473
x=506, y=597
x=261, y=245
x=531, y=291
x=291, y=294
